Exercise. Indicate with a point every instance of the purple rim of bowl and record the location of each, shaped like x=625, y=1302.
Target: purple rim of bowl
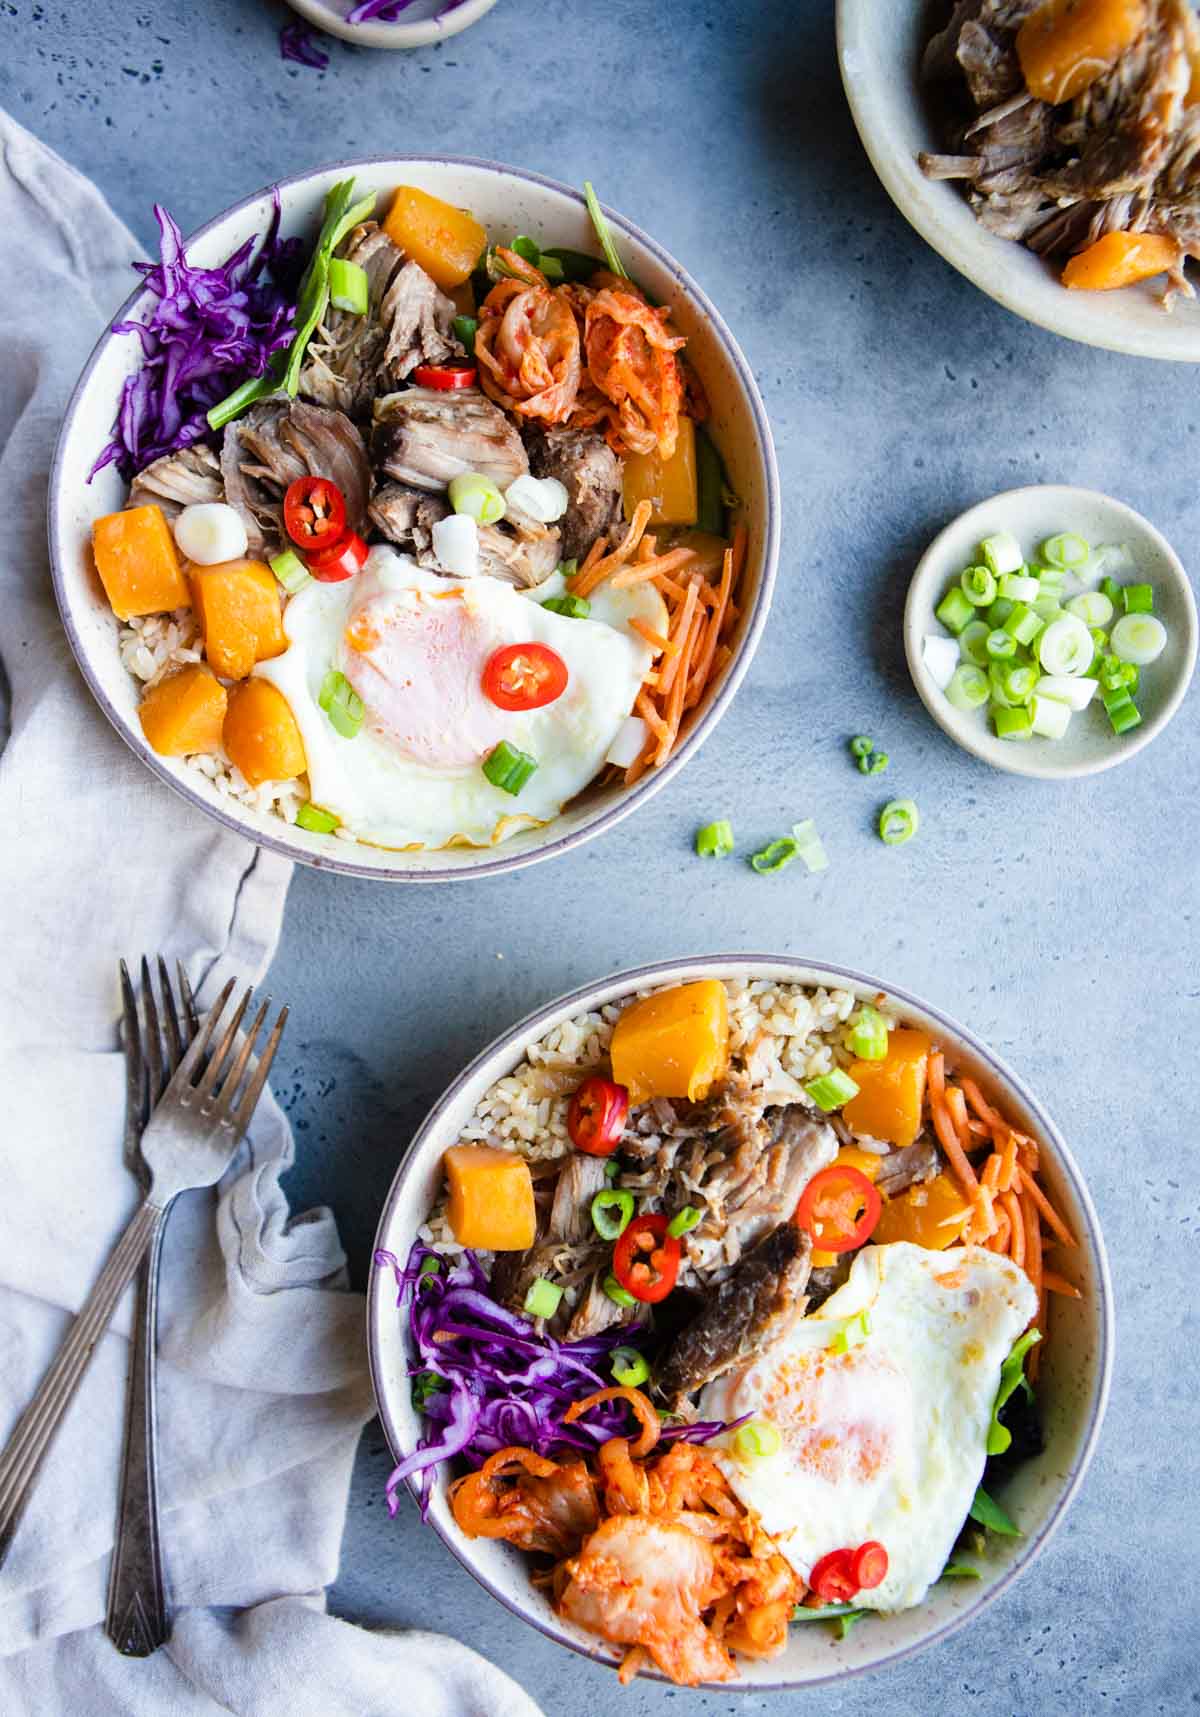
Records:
x=749, y=965
x=650, y=783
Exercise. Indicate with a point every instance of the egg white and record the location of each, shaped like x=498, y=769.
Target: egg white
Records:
x=389, y=797
x=888, y=1440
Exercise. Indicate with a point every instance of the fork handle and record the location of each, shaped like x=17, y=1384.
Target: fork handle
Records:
x=138, y=1621
x=22, y=1456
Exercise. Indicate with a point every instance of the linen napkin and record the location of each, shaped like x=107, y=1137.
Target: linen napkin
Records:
x=263, y=1382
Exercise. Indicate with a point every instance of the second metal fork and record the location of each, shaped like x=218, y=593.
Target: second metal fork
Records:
x=138, y=1619
x=189, y=1143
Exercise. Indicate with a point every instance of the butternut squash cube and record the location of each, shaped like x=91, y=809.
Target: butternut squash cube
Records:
x=1066, y=45
x=490, y=1198
x=445, y=241
x=240, y=614
x=891, y=1092
x=673, y=1044
x=260, y=734
x=1121, y=259
x=185, y=713
x=138, y=564
x=670, y=485
x=932, y=1215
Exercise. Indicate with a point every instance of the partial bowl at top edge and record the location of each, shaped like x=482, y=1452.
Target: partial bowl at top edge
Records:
x=506, y=200
x=1076, y=1375
x=438, y=21
x=1031, y=514
x=879, y=50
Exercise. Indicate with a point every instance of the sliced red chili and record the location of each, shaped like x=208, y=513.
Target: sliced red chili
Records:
x=869, y=1565
x=340, y=561
x=832, y=1578
x=446, y=378
x=839, y=1207
x=596, y=1117
x=646, y=1259
x=314, y=513
x=524, y=676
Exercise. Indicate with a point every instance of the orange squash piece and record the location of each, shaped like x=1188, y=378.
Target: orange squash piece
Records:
x=138, y=564
x=1121, y=259
x=1066, y=45
x=240, y=614
x=490, y=1198
x=260, y=734
x=670, y=485
x=891, y=1092
x=185, y=713
x=445, y=241
x=673, y=1044
x=932, y=1215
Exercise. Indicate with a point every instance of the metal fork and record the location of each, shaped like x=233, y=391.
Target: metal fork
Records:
x=138, y=1620
x=189, y=1143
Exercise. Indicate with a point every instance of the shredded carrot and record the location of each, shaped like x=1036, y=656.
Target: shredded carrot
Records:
x=674, y=561
x=1000, y=1240
x=1052, y=1219
x=704, y=665
x=633, y=1660
x=1012, y=1210
x=991, y=1173
x=655, y=639
x=1056, y=1284
x=1033, y=1269
x=585, y=581
x=936, y=1075
x=681, y=627
x=650, y=715
x=989, y=1116
x=678, y=691
x=947, y=1134
x=1008, y=1163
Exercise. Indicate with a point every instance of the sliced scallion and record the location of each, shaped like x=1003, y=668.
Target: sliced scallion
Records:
x=465, y=329
x=1066, y=550
x=683, y=1221
x=291, y=571
x=972, y=642
x=1065, y=647
x=1013, y=723
x=349, y=288
x=1139, y=638
x=612, y=1212
x=1093, y=608
x=852, y=1333
x=508, y=768
x=757, y=1441
x=898, y=822
x=809, y=846
x=574, y=607
x=831, y=1090
x=1138, y=598
x=1019, y=587
x=315, y=820
x=616, y=1293
x=341, y=704
x=1050, y=717
x=603, y=232
x=1000, y=645
x=979, y=586
x=1002, y=553
x=628, y=1366
x=861, y=745
x=969, y=686
x=869, y=1035
x=543, y=1298
x=715, y=840
x=999, y=612
x=954, y=610
x=773, y=857
x=477, y=497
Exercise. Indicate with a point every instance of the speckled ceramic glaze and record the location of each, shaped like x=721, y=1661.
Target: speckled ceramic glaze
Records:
x=1073, y=1385
x=506, y=201
x=1032, y=514
x=879, y=46
x=421, y=22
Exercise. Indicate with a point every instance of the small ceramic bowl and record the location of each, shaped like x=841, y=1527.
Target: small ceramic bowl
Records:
x=879, y=47
x=421, y=22
x=1033, y=514
x=1072, y=1388
x=506, y=200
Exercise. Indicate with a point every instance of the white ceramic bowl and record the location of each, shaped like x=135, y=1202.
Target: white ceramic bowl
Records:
x=1032, y=514
x=422, y=22
x=1072, y=1389
x=507, y=201
x=880, y=47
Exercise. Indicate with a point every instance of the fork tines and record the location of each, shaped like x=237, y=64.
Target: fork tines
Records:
x=215, y=1092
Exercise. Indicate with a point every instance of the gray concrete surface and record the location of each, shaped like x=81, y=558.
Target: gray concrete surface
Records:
x=1059, y=921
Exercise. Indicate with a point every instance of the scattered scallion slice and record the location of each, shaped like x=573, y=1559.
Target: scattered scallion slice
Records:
x=315, y=820
x=291, y=571
x=809, y=845
x=341, y=704
x=612, y=1212
x=869, y=1035
x=629, y=1367
x=349, y=288
x=508, y=768
x=830, y=1090
x=683, y=1221
x=603, y=232
x=775, y=856
x=898, y=822
x=543, y=1298
x=715, y=840
x=574, y=607
x=861, y=746
x=757, y=1441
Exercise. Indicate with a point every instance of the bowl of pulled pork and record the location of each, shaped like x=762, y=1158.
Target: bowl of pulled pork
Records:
x=416, y=518
x=740, y=1321
x=1048, y=149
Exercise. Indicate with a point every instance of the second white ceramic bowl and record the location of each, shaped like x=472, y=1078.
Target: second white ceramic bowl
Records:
x=879, y=46
x=1032, y=514
x=421, y=23
x=506, y=201
x=1072, y=1388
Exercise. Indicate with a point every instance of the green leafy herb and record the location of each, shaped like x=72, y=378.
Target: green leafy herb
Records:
x=988, y=1513
x=425, y=1384
x=1012, y=1373
x=602, y=231
x=826, y=1613
x=844, y=1623
x=959, y=1571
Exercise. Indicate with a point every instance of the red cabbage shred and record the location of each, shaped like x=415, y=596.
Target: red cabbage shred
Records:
x=297, y=43
x=501, y=1382
x=209, y=329
x=387, y=11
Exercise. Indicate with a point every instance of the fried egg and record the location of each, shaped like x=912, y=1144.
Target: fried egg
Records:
x=886, y=1440
x=414, y=645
